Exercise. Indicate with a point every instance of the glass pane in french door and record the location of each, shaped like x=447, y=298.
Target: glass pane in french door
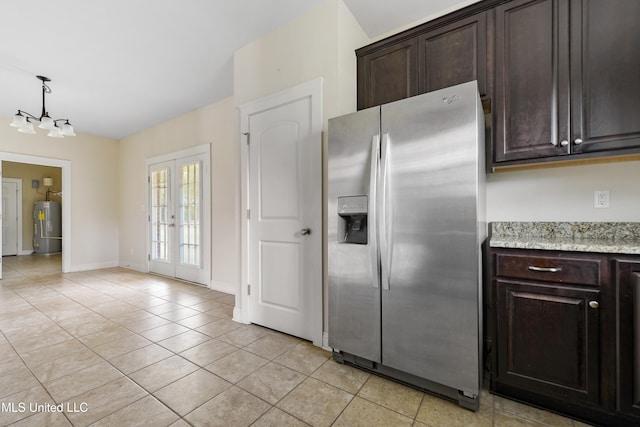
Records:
x=160, y=188
x=190, y=212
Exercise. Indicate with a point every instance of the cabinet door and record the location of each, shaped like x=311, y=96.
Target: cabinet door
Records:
x=548, y=339
x=628, y=336
x=388, y=74
x=454, y=54
x=531, y=79
x=605, y=75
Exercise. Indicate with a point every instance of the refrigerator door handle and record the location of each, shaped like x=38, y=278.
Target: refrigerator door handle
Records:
x=384, y=230
x=372, y=220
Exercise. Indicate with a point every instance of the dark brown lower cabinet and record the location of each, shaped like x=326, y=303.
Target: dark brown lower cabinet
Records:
x=548, y=339
x=565, y=331
x=627, y=274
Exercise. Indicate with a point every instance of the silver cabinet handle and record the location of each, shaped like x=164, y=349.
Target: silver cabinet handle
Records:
x=594, y=304
x=577, y=141
x=564, y=142
x=545, y=269
x=305, y=231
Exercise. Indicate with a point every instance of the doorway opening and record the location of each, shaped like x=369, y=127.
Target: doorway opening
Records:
x=35, y=216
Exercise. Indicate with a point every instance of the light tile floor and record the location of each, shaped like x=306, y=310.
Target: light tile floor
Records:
x=116, y=347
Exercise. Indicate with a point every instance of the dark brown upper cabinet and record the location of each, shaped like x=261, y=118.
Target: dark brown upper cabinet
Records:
x=441, y=53
x=527, y=105
x=559, y=77
x=566, y=80
x=388, y=74
x=454, y=54
x=605, y=91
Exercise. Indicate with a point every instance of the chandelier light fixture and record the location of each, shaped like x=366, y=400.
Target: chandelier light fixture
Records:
x=24, y=121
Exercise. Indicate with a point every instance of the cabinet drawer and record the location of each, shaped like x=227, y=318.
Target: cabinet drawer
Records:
x=557, y=269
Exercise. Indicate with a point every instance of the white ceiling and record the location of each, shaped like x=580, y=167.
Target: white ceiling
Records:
x=121, y=66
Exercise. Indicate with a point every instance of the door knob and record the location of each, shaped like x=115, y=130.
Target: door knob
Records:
x=578, y=141
x=305, y=231
x=594, y=304
x=564, y=142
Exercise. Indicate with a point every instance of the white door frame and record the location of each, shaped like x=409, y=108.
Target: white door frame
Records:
x=65, y=166
x=203, y=149
x=312, y=89
x=18, y=182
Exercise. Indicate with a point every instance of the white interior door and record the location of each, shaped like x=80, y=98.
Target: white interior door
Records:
x=179, y=212
x=285, y=220
x=10, y=217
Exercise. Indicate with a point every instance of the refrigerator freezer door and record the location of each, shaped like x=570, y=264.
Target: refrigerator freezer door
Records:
x=430, y=312
x=354, y=291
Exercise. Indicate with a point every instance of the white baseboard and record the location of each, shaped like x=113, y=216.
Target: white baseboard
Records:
x=136, y=267
x=237, y=314
x=227, y=288
x=96, y=266
x=325, y=341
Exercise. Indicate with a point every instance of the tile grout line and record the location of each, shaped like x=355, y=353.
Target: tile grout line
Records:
x=125, y=287
x=76, y=338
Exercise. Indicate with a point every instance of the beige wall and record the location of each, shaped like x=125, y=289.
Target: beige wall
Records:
x=565, y=193
x=28, y=173
x=215, y=124
x=94, y=186
x=318, y=44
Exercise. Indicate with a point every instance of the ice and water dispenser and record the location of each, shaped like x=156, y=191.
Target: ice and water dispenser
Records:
x=352, y=222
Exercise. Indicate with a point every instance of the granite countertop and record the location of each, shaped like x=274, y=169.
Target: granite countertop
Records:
x=602, y=237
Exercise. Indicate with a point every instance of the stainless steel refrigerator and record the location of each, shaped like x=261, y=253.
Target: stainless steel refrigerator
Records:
x=405, y=229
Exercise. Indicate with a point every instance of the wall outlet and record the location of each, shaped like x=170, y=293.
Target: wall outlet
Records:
x=601, y=199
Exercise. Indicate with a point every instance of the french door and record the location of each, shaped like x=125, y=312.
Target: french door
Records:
x=179, y=218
